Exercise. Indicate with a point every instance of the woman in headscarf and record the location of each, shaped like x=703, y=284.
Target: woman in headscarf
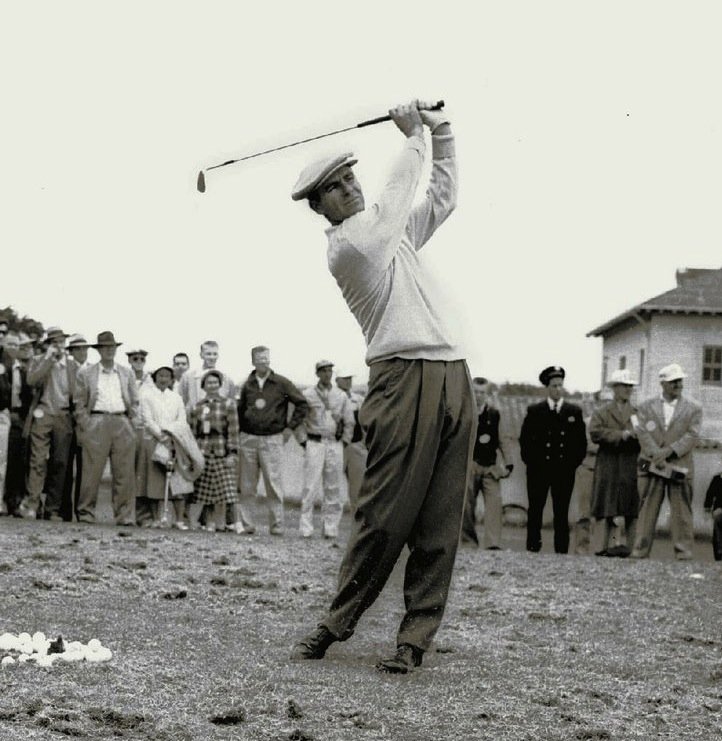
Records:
x=214, y=422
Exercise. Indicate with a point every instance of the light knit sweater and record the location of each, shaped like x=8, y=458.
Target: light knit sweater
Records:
x=373, y=257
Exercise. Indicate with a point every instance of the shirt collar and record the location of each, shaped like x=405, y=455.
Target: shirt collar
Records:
x=553, y=404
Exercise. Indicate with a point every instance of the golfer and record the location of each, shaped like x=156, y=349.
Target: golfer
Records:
x=419, y=410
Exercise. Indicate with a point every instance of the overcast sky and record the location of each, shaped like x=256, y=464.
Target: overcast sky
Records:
x=588, y=137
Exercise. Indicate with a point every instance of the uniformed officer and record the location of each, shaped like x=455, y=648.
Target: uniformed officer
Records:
x=553, y=444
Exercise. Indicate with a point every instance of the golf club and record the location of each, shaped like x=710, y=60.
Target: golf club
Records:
x=201, y=184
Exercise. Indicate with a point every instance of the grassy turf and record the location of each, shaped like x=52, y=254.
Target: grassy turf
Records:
x=532, y=646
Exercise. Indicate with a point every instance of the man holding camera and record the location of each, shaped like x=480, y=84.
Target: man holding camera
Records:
x=53, y=375
x=668, y=429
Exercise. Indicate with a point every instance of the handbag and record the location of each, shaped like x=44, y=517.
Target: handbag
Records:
x=161, y=454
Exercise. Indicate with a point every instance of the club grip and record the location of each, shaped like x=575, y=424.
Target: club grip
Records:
x=436, y=107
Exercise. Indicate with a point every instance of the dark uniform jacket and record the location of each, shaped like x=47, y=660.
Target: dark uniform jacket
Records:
x=713, y=500
x=553, y=439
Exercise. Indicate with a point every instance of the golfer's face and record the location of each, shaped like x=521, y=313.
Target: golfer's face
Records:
x=340, y=196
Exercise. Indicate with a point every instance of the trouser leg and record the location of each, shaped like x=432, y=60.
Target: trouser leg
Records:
x=354, y=456
x=468, y=521
x=562, y=487
x=4, y=440
x=41, y=431
x=435, y=535
x=491, y=489
x=651, y=496
x=18, y=454
x=331, y=506
x=537, y=488
x=717, y=536
x=61, y=439
x=681, y=523
x=404, y=414
x=97, y=438
x=600, y=535
x=271, y=448
x=248, y=470
x=122, y=464
x=312, y=476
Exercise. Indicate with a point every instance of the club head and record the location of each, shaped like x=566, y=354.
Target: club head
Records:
x=201, y=184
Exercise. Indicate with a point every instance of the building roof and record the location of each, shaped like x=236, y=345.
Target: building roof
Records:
x=698, y=291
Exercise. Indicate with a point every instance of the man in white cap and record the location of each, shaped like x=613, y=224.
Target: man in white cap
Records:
x=263, y=407
x=354, y=454
x=668, y=431
x=328, y=429
x=615, y=501
x=419, y=409
x=53, y=375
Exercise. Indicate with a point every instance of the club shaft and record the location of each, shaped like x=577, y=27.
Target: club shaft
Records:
x=381, y=119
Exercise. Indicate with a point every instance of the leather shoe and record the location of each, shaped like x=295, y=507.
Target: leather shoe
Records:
x=406, y=658
x=314, y=645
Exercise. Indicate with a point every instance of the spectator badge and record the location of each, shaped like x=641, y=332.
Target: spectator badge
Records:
x=650, y=426
x=485, y=438
x=260, y=403
x=38, y=413
x=570, y=419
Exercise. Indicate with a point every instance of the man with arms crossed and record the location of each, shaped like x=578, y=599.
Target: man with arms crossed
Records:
x=419, y=410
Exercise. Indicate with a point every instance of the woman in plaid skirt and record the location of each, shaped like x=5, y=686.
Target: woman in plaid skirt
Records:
x=214, y=422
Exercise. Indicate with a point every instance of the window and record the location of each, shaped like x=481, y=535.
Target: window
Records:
x=622, y=362
x=712, y=365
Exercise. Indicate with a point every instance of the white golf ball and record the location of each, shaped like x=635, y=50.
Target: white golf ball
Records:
x=74, y=646
x=25, y=637
x=23, y=658
x=94, y=644
x=7, y=660
x=8, y=642
x=38, y=637
x=45, y=660
x=26, y=647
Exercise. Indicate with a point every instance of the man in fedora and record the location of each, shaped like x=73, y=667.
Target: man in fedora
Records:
x=615, y=501
x=419, y=409
x=106, y=400
x=553, y=444
x=53, y=376
x=668, y=429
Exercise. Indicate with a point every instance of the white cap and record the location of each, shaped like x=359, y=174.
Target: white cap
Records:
x=672, y=372
x=623, y=377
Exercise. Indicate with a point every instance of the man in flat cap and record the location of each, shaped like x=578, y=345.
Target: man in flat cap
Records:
x=106, y=402
x=668, y=430
x=615, y=501
x=53, y=375
x=419, y=410
x=553, y=444
x=263, y=415
x=328, y=429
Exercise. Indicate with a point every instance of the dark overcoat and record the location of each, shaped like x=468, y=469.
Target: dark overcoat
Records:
x=614, y=489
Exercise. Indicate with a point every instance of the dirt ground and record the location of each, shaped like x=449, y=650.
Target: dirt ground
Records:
x=533, y=646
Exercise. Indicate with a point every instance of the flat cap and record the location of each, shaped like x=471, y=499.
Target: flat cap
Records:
x=553, y=371
x=324, y=364
x=137, y=351
x=672, y=372
x=314, y=174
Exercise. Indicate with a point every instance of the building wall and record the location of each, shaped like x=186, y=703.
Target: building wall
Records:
x=679, y=338
x=627, y=344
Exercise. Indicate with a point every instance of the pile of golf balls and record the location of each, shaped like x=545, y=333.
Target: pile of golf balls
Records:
x=22, y=648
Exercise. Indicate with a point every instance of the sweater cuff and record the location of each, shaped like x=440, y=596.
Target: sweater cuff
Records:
x=442, y=146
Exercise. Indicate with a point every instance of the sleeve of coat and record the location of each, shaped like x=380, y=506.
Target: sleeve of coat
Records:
x=601, y=432
x=82, y=413
x=526, y=437
x=713, y=499
x=686, y=443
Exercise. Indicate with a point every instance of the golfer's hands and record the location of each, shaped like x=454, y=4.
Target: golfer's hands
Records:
x=407, y=119
x=431, y=119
